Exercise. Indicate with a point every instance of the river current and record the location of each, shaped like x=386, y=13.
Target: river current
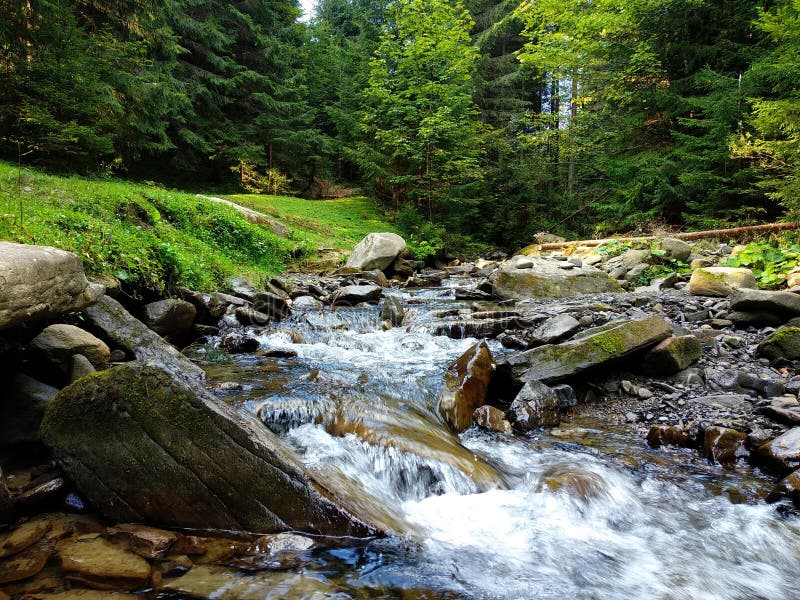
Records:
x=585, y=511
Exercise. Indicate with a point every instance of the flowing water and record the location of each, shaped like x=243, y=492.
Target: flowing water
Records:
x=587, y=511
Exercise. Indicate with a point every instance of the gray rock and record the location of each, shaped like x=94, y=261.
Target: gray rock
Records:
x=81, y=366
x=119, y=326
x=40, y=282
x=557, y=328
x=307, y=303
x=727, y=401
x=672, y=355
x=376, y=251
x=565, y=396
x=142, y=445
x=676, y=249
x=351, y=295
x=784, y=304
x=536, y=405
x=272, y=304
x=598, y=346
x=783, y=343
x=545, y=279
x=247, y=315
x=743, y=319
x=631, y=258
x=784, y=410
x=375, y=276
x=636, y=271
x=392, y=310
x=22, y=409
x=170, y=318
x=59, y=343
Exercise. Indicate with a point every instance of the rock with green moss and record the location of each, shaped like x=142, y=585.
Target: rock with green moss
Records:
x=672, y=355
x=144, y=446
x=783, y=343
x=530, y=277
x=720, y=281
x=598, y=346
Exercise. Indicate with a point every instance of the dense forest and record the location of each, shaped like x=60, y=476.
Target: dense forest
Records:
x=494, y=118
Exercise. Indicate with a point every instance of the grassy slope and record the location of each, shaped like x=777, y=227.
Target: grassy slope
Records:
x=153, y=238
x=338, y=224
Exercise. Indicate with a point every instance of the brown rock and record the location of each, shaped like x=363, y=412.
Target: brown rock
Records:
x=788, y=488
x=81, y=595
x=59, y=343
x=781, y=455
x=723, y=445
x=147, y=542
x=668, y=435
x=208, y=550
x=23, y=536
x=491, y=419
x=97, y=563
x=466, y=382
x=27, y=563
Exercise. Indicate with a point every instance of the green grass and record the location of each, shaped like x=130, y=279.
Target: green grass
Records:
x=148, y=237
x=338, y=224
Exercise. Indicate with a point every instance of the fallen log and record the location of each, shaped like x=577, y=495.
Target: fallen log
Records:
x=692, y=235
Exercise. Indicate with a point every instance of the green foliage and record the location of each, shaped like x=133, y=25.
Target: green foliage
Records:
x=150, y=238
x=613, y=248
x=769, y=261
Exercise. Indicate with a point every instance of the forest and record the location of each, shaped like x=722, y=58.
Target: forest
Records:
x=489, y=119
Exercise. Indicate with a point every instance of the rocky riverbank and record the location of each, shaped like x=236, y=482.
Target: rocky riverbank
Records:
x=106, y=415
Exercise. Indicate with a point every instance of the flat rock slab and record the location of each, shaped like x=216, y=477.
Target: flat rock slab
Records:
x=555, y=362
x=145, y=446
x=97, y=563
x=23, y=536
x=782, y=303
x=40, y=282
x=526, y=277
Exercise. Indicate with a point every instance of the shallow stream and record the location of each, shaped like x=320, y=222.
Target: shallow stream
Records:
x=585, y=511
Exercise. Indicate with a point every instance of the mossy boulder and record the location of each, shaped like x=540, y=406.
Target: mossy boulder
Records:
x=528, y=277
x=597, y=346
x=144, y=446
x=783, y=343
x=672, y=355
x=720, y=281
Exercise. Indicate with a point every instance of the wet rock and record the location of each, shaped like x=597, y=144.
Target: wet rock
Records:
x=147, y=542
x=117, y=324
x=545, y=279
x=226, y=584
x=40, y=282
x=325, y=320
x=247, y=315
x=392, y=310
x=307, y=303
x=46, y=487
x=57, y=344
x=466, y=382
x=669, y=435
x=781, y=455
x=350, y=295
x=565, y=396
x=274, y=305
x=675, y=249
x=279, y=551
x=557, y=328
x=783, y=343
x=26, y=535
x=600, y=345
x=672, y=355
x=6, y=503
x=783, y=304
x=22, y=409
x=491, y=419
x=26, y=563
x=788, y=488
x=141, y=444
x=720, y=281
x=376, y=251
x=536, y=405
x=784, y=410
x=237, y=342
x=724, y=446
x=97, y=563
x=210, y=307
x=376, y=276
x=80, y=367
x=584, y=485
x=170, y=318
x=477, y=328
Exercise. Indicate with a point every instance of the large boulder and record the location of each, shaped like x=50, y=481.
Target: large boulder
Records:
x=40, y=282
x=528, y=277
x=720, y=281
x=783, y=343
x=130, y=334
x=376, y=251
x=598, y=346
x=59, y=343
x=466, y=382
x=144, y=446
x=782, y=304
x=170, y=318
x=676, y=249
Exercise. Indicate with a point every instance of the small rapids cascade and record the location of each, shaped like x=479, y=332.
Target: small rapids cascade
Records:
x=584, y=511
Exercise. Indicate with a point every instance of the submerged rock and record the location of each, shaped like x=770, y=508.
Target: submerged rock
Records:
x=392, y=310
x=669, y=435
x=40, y=282
x=376, y=251
x=600, y=345
x=142, y=445
x=788, y=488
x=466, y=382
x=525, y=277
x=97, y=563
